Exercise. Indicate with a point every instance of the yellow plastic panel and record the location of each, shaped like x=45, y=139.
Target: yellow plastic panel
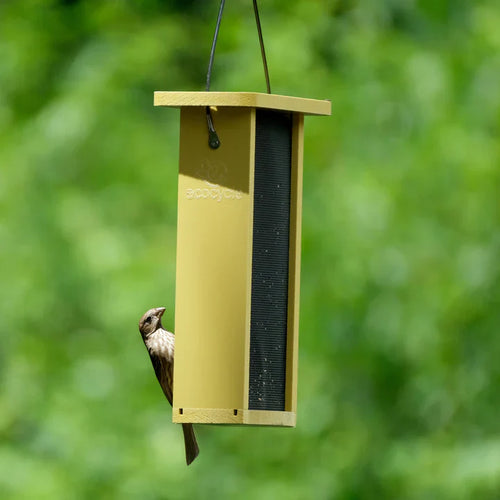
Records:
x=292, y=354
x=214, y=256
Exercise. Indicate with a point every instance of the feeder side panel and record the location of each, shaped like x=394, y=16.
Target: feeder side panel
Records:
x=214, y=248
x=294, y=263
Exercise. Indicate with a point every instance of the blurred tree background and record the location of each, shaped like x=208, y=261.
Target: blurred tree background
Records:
x=399, y=389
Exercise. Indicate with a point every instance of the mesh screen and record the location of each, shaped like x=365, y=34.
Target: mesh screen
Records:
x=271, y=228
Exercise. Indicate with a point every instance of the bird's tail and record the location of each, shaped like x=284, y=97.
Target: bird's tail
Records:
x=190, y=443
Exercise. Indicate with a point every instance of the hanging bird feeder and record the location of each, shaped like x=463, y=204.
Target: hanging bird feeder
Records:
x=238, y=253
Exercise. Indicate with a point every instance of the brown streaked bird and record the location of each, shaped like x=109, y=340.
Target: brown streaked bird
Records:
x=160, y=345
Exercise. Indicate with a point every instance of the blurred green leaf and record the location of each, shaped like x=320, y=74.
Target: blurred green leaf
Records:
x=399, y=382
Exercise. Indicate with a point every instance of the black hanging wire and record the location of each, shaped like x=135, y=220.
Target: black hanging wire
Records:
x=214, y=43
x=213, y=138
x=262, y=49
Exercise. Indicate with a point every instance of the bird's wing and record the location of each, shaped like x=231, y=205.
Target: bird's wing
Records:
x=163, y=370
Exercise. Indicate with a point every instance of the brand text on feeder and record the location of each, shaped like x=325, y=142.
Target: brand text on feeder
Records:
x=212, y=192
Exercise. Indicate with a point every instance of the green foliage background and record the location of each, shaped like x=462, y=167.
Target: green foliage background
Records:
x=399, y=391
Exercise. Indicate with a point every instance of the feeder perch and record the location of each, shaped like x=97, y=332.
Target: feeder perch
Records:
x=238, y=256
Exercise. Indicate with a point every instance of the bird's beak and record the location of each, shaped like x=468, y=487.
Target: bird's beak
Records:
x=159, y=311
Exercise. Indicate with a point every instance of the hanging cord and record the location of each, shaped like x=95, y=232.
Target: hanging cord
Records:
x=213, y=138
x=262, y=49
x=214, y=43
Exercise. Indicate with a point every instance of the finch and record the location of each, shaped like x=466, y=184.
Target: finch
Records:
x=160, y=345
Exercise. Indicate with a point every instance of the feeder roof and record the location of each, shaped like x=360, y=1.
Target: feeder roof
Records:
x=243, y=99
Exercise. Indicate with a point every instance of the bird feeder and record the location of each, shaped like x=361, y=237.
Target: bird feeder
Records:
x=238, y=256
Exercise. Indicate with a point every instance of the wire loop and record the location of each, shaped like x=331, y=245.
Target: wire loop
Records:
x=213, y=138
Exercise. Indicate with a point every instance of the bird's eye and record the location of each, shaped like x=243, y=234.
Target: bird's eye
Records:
x=148, y=319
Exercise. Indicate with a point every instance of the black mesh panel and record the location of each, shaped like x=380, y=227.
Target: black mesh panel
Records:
x=271, y=228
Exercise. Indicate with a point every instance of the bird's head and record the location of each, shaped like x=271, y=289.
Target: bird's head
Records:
x=151, y=321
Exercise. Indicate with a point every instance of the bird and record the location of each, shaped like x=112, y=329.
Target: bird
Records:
x=160, y=345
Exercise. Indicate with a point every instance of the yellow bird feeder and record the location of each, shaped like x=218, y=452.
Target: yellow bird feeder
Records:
x=238, y=255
